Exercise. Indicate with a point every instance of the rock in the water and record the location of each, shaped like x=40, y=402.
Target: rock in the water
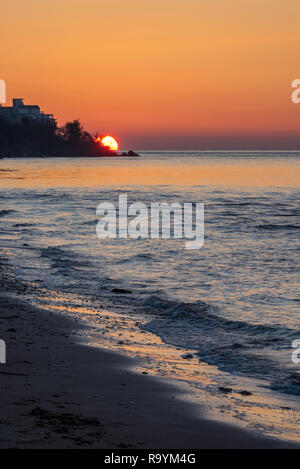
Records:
x=132, y=153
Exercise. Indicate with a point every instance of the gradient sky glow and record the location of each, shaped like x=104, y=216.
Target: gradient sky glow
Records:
x=160, y=74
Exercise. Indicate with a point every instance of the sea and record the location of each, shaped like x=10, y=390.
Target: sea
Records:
x=222, y=321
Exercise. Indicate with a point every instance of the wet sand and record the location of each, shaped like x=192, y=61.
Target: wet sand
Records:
x=58, y=393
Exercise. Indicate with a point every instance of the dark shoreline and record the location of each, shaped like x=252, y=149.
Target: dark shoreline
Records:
x=67, y=156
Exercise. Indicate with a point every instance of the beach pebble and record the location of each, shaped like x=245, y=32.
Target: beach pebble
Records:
x=225, y=390
x=245, y=393
x=121, y=290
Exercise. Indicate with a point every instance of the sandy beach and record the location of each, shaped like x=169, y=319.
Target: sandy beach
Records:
x=58, y=393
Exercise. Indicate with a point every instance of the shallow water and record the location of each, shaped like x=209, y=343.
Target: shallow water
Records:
x=235, y=302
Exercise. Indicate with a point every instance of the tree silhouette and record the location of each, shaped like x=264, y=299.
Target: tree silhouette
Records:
x=44, y=138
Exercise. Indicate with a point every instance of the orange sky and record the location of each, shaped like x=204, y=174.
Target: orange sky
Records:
x=169, y=73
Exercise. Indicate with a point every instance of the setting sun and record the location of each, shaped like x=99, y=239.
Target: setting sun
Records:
x=108, y=142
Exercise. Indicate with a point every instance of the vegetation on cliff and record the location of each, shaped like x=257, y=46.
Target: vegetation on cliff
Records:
x=34, y=138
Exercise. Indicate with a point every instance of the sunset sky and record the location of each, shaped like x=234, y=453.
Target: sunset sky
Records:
x=160, y=74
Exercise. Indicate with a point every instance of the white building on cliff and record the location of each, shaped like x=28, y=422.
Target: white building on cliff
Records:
x=19, y=111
